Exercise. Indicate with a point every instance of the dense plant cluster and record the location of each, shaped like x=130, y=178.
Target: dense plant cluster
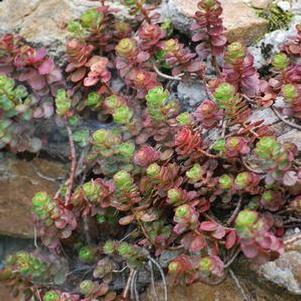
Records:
x=277, y=18
x=154, y=180
x=34, y=71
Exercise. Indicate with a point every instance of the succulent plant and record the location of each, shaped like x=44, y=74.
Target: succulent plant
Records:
x=52, y=296
x=88, y=254
x=280, y=61
x=209, y=30
x=148, y=176
x=239, y=70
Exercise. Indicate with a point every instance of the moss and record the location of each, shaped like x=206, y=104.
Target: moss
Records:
x=276, y=17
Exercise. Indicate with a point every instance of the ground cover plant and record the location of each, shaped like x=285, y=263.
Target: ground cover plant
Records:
x=206, y=185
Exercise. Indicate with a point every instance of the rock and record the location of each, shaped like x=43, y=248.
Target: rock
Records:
x=296, y=7
x=284, y=5
x=261, y=3
x=44, y=22
x=55, y=138
x=20, y=180
x=226, y=291
x=292, y=136
x=200, y=292
x=191, y=94
x=285, y=271
x=240, y=20
x=5, y=294
x=271, y=43
x=10, y=245
x=265, y=114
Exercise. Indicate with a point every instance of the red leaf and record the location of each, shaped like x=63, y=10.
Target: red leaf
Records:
x=208, y=226
x=250, y=250
x=219, y=233
x=46, y=67
x=199, y=36
x=231, y=239
x=37, y=81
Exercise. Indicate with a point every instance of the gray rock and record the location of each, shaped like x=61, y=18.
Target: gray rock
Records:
x=55, y=138
x=266, y=114
x=296, y=7
x=293, y=136
x=191, y=94
x=167, y=256
x=285, y=271
x=117, y=84
x=273, y=40
x=284, y=5
x=179, y=18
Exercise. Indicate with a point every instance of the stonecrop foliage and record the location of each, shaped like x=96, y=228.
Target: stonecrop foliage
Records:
x=198, y=187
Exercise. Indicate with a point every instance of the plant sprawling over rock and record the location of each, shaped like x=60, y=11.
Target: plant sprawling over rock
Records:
x=154, y=180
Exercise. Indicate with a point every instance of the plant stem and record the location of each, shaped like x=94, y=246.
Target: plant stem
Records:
x=128, y=285
x=235, y=212
x=70, y=181
x=162, y=275
x=282, y=118
x=166, y=76
x=153, y=280
x=242, y=291
x=231, y=260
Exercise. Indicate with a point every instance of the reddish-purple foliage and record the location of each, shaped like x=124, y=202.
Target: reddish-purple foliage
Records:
x=208, y=114
x=29, y=65
x=181, y=58
x=209, y=29
x=239, y=70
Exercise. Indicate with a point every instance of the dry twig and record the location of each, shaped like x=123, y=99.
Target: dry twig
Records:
x=282, y=118
x=166, y=76
x=70, y=181
x=162, y=275
x=242, y=291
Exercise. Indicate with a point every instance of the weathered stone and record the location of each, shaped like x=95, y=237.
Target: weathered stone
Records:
x=5, y=294
x=285, y=271
x=20, y=180
x=272, y=42
x=292, y=136
x=45, y=22
x=226, y=291
x=266, y=114
x=191, y=94
x=284, y=5
x=261, y=3
x=55, y=138
x=240, y=20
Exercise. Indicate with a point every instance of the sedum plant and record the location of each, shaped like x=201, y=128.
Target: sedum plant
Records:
x=17, y=117
x=151, y=177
